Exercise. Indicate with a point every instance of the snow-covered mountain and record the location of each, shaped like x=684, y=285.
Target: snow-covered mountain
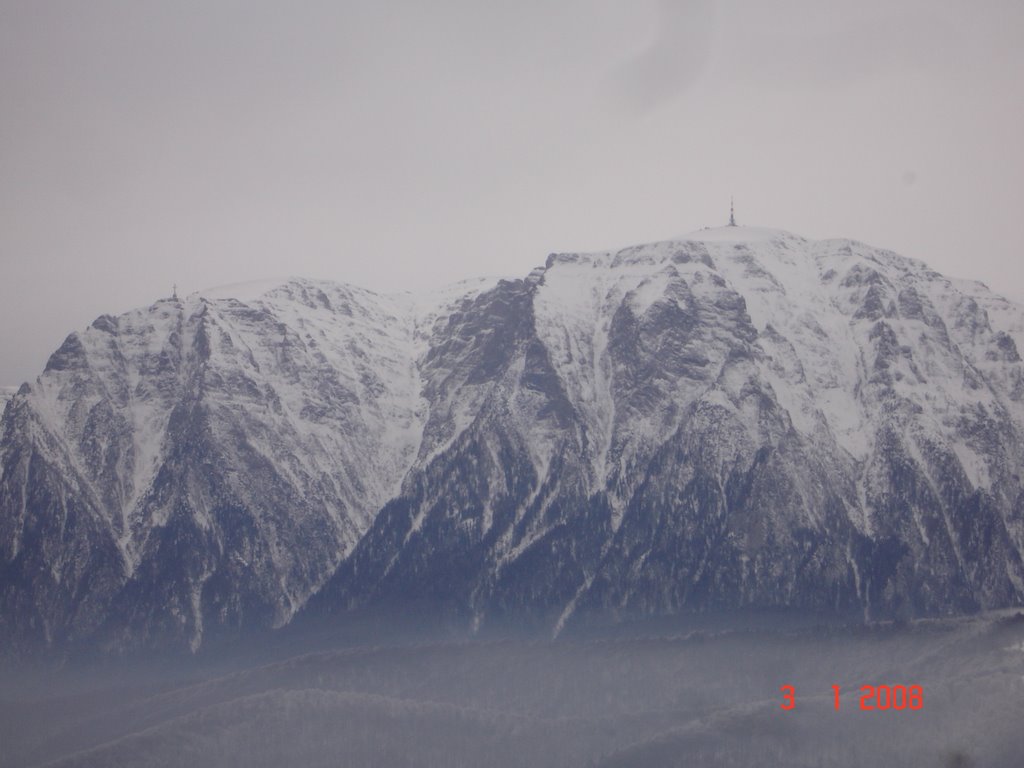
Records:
x=206, y=460
x=737, y=418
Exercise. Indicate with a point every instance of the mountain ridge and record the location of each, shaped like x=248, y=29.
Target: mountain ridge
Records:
x=738, y=418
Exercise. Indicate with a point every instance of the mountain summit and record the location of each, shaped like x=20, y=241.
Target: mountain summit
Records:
x=740, y=418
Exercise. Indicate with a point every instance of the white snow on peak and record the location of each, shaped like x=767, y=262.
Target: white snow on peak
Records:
x=738, y=234
x=821, y=313
x=821, y=310
x=247, y=290
x=428, y=300
x=329, y=383
x=321, y=379
x=426, y=307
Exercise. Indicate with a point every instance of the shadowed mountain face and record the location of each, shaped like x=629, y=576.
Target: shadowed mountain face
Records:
x=740, y=419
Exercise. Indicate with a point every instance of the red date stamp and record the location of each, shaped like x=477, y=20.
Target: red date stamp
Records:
x=872, y=697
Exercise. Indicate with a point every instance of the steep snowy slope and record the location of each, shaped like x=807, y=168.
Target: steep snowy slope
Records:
x=205, y=460
x=740, y=417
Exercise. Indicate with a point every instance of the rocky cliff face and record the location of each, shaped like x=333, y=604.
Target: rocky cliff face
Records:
x=742, y=418
x=203, y=463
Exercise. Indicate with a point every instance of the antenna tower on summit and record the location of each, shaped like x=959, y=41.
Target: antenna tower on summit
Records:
x=732, y=214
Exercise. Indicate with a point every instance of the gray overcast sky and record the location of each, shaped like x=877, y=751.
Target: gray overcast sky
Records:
x=404, y=144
